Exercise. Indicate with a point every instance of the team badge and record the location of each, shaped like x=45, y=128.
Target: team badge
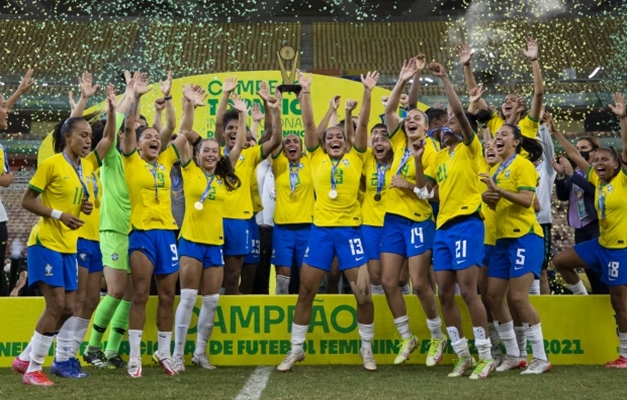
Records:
x=346, y=162
x=508, y=173
x=48, y=270
x=114, y=256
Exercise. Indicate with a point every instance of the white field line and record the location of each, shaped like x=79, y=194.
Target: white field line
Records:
x=255, y=384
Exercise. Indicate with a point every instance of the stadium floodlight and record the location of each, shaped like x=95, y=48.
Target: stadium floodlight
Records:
x=596, y=71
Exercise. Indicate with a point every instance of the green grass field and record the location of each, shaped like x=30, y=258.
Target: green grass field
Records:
x=328, y=382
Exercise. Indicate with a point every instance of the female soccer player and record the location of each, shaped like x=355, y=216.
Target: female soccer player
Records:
x=52, y=243
x=608, y=253
x=515, y=260
x=408, y=227
x=202, y=235
x=152, y=245
x=337, y=227
x=458, y=243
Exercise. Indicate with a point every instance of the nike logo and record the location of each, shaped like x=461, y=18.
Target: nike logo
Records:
x=417, y=246
x=518, y=268
x=462, y=261
x=359, y=259
x=175, y=264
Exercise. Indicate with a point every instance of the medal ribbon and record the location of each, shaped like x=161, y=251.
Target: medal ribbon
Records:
x=333, y=169
x=404, y=160
x=153, y=171
x=207, y=189
x=381, y=170
x=502, y=167
x=601, y=202
x=294, y=176
x=94, y=184
x=79, y=172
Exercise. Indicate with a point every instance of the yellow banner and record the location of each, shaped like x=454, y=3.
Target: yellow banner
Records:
x=255, y=330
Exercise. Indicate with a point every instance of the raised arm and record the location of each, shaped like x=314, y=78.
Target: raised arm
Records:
x=127, y=97
x=361, y=135
x=392, y=119
x=475, y=96
x=228, y=86
x=264, y=94
x=157, y=122
x=269, y=146
x=108, y=135
x=239, y=105
x=193, y=96
x=548, y=150
x=311, y=137
x=24, y=87
x=257, y=116
x=349, y=128
x=453, y=101
x=165, y=133
x=140, y=87
x=414, y=90
x=571, y=150
x=619, y=109
x=87, y=91
x=330, y=118
x=465, y=56
x=532, y=53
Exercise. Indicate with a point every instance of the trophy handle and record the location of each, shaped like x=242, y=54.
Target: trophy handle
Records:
x=283, y=72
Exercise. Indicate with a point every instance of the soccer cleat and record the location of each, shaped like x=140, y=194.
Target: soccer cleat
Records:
x=407, y=346
x=498, y=357
x=78, y=368
x=37, y=378
x=291, y=358
x=510, y=363
x=537, y=366
x=95, y=358
x=166, y=363
x=134, y=367
x=179, y=363
x=201, y=360
x=19, y=366
x=116, y=363
x=436, y=350
x=461, y=366
x=368, y=358
x=483, y=369
x=620, y=362
x=66, y=369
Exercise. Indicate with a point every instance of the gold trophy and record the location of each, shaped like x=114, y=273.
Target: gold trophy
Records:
x=288, y=54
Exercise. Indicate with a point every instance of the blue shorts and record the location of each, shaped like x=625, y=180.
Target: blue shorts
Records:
x=405, y=237
x=209, y=255
x=89, y=255
x=458, y=244
x=289, y=243
x=606, y=262
x=236, y=237
x=255, y=244
x=326, y=243
x=488, y=249
x=372, y=240
x=159, y=245
x=52, y=268
x=513, y=258
x=435, y=207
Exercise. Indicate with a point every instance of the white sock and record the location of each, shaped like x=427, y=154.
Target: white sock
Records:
x=376, y=289
x=366, y=333
x=402, y=325
x=453, y=334
x=80, y=330
x=299, y=333
x=39, y=350
x=461, y=347
x=458, y=290
x=164, y=340
x=623, y=343
x=25, y=354
x=534, y=335
x=535, y=287
x=435, y=327
x=521, y=340
x=205, y=322
x=282, y=284
x=405, y=289
x=182, y=319
x=483, y=344
x=135, y=342
x=577, y=288
x=508, y=337
x=65, y=341
x=495, y=340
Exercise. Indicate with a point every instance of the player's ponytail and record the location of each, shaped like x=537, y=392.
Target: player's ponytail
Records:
x=225, y=170
x=531, y=146
x=61, y=129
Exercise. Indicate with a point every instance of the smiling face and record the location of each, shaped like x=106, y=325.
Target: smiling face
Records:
x=381, y=147
x=490, y=153
x=79, y=138
x=605, y=164
x=415, y=125
x=4, y=113
x=230, y=133
x=149, y=144
x=505, y=142
x=509, y=105
x=334, y=142
x=292, y=148
x=208, y=155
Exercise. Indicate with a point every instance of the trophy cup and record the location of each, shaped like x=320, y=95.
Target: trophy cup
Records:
x=287, y=54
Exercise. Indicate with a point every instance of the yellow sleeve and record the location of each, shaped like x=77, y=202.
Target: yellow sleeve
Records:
x=529, y=127
x=169, y=156
x=592, y=176
x=398, y=136
x=474, y=147
x=430, y=173
x=93, y=160
x=527, y=177
x=495, y=123
x=42, y=177
x=2, y=171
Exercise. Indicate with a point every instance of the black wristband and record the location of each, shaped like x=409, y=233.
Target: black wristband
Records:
x=166, y=98
x=533, y=59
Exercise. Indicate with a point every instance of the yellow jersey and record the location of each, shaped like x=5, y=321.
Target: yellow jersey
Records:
x=378, y=179
x=61, y=189
x=294, y=190
x=203, y=226
x=344, y=210
x=149, y=190
x=255, y=197
x=515, y=221
x=609, y=200
x=528, y=128
x=91, y=229
x=457, y=177
x=489, y=215
x=239, y=202
x=404, y=202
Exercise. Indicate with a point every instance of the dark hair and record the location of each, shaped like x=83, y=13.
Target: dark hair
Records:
x=224, y=168
x=402, y=125
x=472, y=119
x=140, y=130
x=483, y=115
x=342, y=122
x=143, y=119
x=379, y=126
x=228, y=117
x=594, y=142
x=61, y=129
x=531, y=146
x=324, y=135
x=435, y=113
